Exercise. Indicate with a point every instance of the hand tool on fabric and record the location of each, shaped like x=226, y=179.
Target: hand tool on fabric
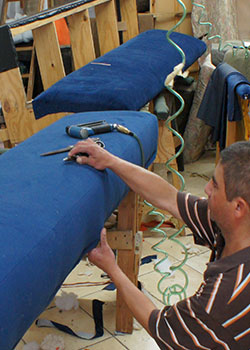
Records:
x=83, y=132
x=69, y=148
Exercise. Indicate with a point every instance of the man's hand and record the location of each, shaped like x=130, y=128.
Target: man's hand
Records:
x=98, y=157
x=103, y=256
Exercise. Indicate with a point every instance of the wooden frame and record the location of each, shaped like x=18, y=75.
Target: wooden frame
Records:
x=18, y=113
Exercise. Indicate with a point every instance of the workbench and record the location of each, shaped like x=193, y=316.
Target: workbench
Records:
x=52, y=214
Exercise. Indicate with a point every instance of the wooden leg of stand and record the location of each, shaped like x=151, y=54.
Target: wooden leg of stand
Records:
x=128, y=260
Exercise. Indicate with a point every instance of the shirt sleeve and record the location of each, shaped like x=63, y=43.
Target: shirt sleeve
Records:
x=196, y=215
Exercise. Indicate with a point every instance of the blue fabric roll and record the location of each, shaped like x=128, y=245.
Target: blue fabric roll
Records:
x=220, y=102
x=125, y=78
x=52, y=212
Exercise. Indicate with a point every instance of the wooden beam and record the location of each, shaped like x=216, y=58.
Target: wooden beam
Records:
x=82, y=44
x=42, y=19
x=128, y=260
x=107, y=28
x=49, y=56
x=130, y=17
x=121, y=240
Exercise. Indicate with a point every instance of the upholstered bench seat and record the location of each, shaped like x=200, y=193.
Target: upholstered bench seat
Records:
x=125, y=78
x=52, y=212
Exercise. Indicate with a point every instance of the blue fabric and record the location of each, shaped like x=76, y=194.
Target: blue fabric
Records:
x=52, y=213
x=220, y=102
x=131, y=75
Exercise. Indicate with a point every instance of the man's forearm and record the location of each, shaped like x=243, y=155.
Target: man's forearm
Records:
x=139, y=305
x=149, y=185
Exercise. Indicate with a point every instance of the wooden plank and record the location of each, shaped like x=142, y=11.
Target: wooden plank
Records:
x=31, y=75
x=43, y=21
x=4, y=11
x=168, y=13
x=121, y=240
x=19, y=120
x=82, y=45
x=246, y=114
x=4, y=135
x=107, y=28
x=48, y=54
x=129, y=16
x=127, y=259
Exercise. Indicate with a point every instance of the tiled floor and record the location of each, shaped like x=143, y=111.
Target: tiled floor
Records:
x=196, y=176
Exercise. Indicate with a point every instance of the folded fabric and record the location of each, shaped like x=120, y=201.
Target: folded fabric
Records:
x=220, y=102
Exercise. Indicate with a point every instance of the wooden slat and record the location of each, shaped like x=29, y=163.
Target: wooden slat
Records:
x=4, y=134
x=127, y=220
x=48, y=54
x=31, y=75
x=41, y=22
x=107, y=28
x=19, y=121
x=121, y=240
x=81, y=38
x=129, y=16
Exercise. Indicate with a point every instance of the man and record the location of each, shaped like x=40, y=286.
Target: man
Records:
x=218, y=315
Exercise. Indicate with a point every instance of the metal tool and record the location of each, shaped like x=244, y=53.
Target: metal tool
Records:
x=69, y=148
x=57, y=151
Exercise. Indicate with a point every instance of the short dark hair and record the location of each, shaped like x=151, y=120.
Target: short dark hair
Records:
x=235, y=160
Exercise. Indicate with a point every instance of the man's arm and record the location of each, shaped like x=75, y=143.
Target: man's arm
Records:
x=150, y=186
x=140, y=306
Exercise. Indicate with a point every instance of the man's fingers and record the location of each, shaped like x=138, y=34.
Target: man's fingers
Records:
x=104, y=237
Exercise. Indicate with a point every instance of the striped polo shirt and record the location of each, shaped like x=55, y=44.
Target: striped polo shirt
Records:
x=217, y=316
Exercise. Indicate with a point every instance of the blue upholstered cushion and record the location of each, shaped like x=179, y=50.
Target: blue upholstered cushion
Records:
x=125, y=78
x=52, y=213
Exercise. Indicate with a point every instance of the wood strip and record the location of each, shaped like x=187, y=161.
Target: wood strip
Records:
x=41, y=22
x=82, y=45
x=127, y=220
x=19, y=121
x=48, y=54
x=4, y=135
x=121, y=240
x=129, y=16
x=107, y=28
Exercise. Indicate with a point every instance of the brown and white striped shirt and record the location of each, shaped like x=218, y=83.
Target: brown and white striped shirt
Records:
x=218, y=315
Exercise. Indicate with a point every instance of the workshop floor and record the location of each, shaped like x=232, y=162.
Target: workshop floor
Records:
x=196, y=176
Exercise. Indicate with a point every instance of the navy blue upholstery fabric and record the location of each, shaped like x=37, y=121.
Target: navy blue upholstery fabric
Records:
x=125, y=78
x=52, y=212
x=220, y=102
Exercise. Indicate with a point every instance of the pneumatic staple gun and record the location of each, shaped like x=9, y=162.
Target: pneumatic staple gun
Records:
x=83, y=131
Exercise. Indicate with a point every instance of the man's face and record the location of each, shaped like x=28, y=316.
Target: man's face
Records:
x=217, y=202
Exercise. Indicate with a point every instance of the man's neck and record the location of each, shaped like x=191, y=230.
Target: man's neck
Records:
x=235, y=242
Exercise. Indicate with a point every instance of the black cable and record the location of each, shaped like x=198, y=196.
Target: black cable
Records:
x=126, y=131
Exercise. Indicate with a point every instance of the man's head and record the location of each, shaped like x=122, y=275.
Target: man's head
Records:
x=235, y=160
x=229, y=191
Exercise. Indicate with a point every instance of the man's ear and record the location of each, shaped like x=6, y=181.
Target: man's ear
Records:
x=241, y=207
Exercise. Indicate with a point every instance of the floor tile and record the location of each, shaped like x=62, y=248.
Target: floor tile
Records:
x=77, y=320
x=108, y=344
x=139, y=340
x=20, y=345
x=150, y=282
x=87, y=274
x=199, y=263
x=174, y=249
